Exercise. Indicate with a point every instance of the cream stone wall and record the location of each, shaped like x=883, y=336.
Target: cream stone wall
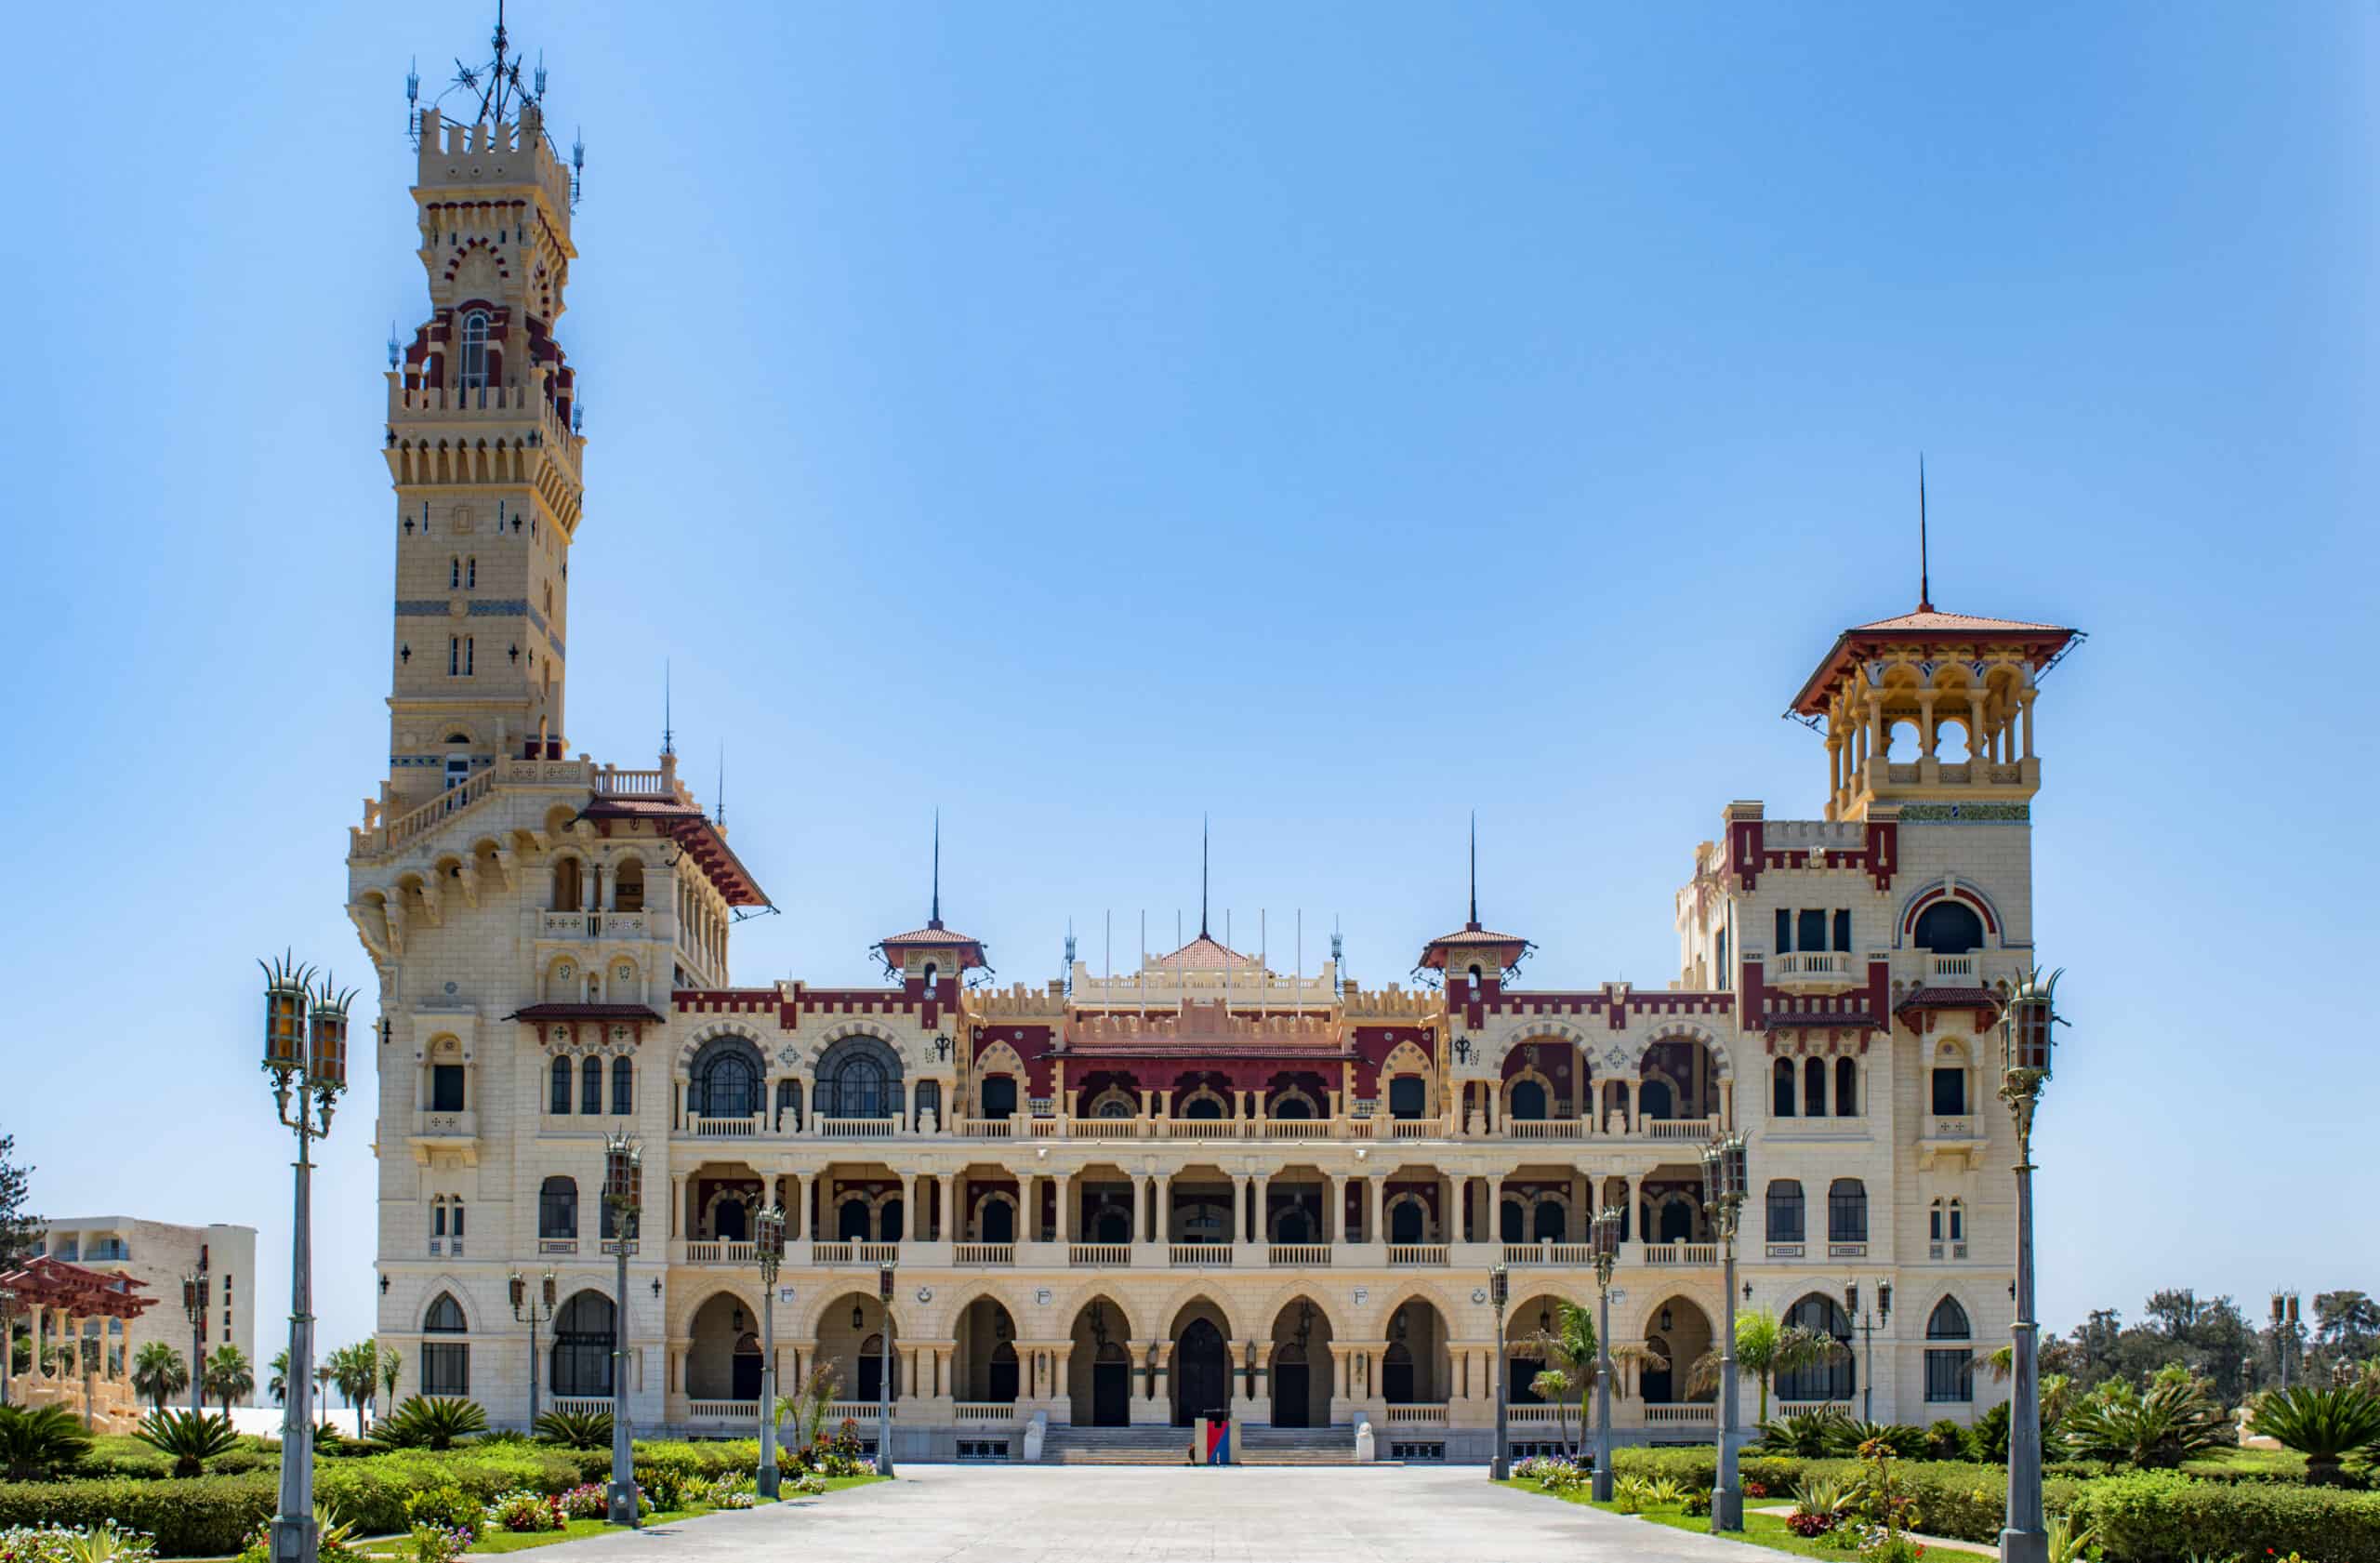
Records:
x=158, y=1254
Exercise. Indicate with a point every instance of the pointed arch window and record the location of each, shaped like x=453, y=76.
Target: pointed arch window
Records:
x=1785, y=1211
x=1781, y=1100
x=445, y=1365
x=1833, y=1376
x=1949, y=1370
x=560, y=1105
x=623, y=1087
x=474, y=374
x=582, y=1350
x=1847, y=1087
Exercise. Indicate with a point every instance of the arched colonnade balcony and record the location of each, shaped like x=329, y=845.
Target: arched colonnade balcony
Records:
x=1230, y=1214
x=1411, y=1359
x=1678, y=1088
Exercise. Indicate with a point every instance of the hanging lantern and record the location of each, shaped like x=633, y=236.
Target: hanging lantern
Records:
x=546, y=1285
x=1606, y=1234
x=1735, y=1170
x=519, y=1291
x=1883, y=1302
x=768, y=1235
x=2025, y=1026
x=624, y=1181
x=285, y=1015
x=327, y=1064
x=1851, y=1298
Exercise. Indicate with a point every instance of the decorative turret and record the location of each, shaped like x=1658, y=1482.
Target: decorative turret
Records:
x=1475, y=960
x=924, y=958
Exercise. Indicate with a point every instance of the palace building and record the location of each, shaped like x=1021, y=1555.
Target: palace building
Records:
x=1116, y=1202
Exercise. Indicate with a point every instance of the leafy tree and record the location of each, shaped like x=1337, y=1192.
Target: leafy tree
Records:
x=391, y=1362
x=2174, y=1418
x=18, y=1226
x=355, y=1369
x=1567, y=1349
x=159, y=1373
x=227, y=1377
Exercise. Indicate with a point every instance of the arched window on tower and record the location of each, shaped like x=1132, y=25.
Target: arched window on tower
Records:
x=591, y=1086
x=1781, y=1100
x=1847, y=1087
x=559, y=1104
x=474, y=371
x=1949, y=928
x=1950, y=1368
x=623, y=1087
x=445, y=1365
x=1813, y=1087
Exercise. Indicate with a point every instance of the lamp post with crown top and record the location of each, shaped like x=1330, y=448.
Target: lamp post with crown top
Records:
x=305, y=1051
x=2025, y=1023
x=1868, y=1324
x=524, y=1308
x=1499, y=1293
x=768, y=1247
x=1725, y=1178
x=193, y=1309
x=884, y=1371
x=1606, y=1231
x=624, y=1202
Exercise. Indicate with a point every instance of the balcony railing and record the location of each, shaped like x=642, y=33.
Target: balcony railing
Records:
x=723, y=1410
x=723, y=1128
x=1534, y=1416
x=429, y=1125
x=841, y=1411
x=983, y=1253
x=1099, y=1256
x=1275, y=1131
x=1680, y=1128
x=1818, y=967
x=722, y=1253
x=1403, y=1254
x=1200, y=1256
x=1417, y=1415
x=983, y=1413
x=1681, y=1253
x=855, y=1128
x=580, y=1405
x=592, y=925
x=1549, y=1253
x=1303, y=1256
x=1547, y=1127
x=1686, y=1415
x=1953, y=971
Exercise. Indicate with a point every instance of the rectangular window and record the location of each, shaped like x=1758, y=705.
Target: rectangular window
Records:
x=453, y=655
x=1784, y=932
x=1934, y=1224
x=1843, y=929
x=1846, y=1211
x=1950, y=1093
x=1812, y=933
x=1950, y=1377
x=445, y=1088
x=445, y=1369
x=590, y=1087
x=467, y=656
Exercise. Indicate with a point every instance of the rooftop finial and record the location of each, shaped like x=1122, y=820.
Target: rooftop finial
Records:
x=1202, y=875
x=1925, y=566
x=719, y=811
x=1475, y=868
x=935, y=920
x=498, y=84
x=668, y=737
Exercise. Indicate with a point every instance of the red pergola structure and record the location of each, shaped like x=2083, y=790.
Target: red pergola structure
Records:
x=53, y=1283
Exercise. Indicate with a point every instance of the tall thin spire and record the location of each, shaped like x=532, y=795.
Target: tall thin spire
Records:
x=1202, y=875
x=935, y=920
x=1924, y=564
x=1475, y=868
x=667, y=739
x=718, y=811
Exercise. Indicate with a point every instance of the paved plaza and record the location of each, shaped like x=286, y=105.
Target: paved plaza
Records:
x=1031, y=1513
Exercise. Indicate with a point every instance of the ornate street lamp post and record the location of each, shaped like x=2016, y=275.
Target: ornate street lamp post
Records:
x=884, y=1372
x=768, y=1246
x=195, y=1309
x=2025, y=1046
x=525, y=1309
x=624, y=1198
x=1499, y=1293
x=2284, y=1331
x=1606, y=1229
x=1725, y=1177
x=7, y=1339
x=1867, y=1328
x=305, y=1051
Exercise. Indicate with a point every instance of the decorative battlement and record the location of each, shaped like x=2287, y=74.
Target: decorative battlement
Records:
x=1018, y=1002
x=488, y=156
x=1202, y=1025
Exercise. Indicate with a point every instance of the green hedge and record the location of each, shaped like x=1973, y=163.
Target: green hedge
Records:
x=2155, y=1515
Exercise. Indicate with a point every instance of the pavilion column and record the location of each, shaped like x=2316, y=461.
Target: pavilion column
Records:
x=1165, y=1207
x=1264, y=1197
x=2025, y=710
x=1334, y=1225
x=947, y=1225
x=1979, y=748
x=1064, y=1232
x=1494, y=1233
x=1636, y=1208
x=911, y=1226
x=1140, y=1207
x=1373, y=1229
x=1342, y=1394
x=1239, y=1183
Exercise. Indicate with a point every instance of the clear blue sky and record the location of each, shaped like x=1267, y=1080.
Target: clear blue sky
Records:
x=1330, y=417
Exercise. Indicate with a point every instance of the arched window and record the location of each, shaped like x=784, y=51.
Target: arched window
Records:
x=1406, y=1223
x=1781, y=1102
x=1958, y=1220
x=1831, y=1378
x=454, y=571
x=1511, y=1221
x=727, y=1079
x=454, y=1222
x=1785, y=1211
x=438, y=1216
x=1547, y=1222
x=1407, y=1097
x=559, y=1103
x=567, y=883
x=1110, y=1107
x=999, y=1096
x=474, y=365
x=1527, y=1101
x=1934, y=1223
x=1813, y=1087
x=445, y=1365
x=1847, y=1087
x=995, y=1221
x=859, y=1076
x=628, y=887
x=623, y=1087
x=558, y=1208
x=591, y=1086
x=582, y=1351
x=1949, y=1370
x=851, y=1222
x=1949, y=1084
x=1846, y=1211
x=471, y=571
x=929, y=1100
x=1948, y=927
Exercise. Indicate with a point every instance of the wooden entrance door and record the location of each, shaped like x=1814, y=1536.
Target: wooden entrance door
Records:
x=1202, y=1378
x=1111, y=1389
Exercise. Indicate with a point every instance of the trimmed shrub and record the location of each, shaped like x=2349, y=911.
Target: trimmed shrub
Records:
x=2153, y=1515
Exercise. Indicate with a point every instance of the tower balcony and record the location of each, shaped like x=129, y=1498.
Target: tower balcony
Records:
x=431, y=429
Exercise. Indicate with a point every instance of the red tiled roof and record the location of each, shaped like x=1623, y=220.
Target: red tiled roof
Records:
x=56, y=1283
x=1472, y=936
x=1201, y=954
x=928, y=935
x=1949, y=999
x=1925, y=623
x=933, y=936
x=694, y=832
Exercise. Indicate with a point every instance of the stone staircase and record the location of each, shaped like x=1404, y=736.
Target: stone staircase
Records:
x=1294, y=1446
x=1117, y=1446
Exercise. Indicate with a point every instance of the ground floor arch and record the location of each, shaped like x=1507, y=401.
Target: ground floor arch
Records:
x=579, y=1363
x=851, y=1346
x=723, y=1358
x=1677, y=1336
x=1413, y=1369
x=984, y=1361
x=1201, y=1368
x=1300, y=1369
x=1099, y=1365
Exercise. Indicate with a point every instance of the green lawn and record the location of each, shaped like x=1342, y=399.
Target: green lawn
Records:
x=1760, y=1529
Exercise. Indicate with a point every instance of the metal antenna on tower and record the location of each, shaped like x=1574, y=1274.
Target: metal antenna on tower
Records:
x=1202, y=875
x=935, y=920
x=413, y=102
x=1924, y=564
x=393, y=344
x=719, y=813
x=1475, y=868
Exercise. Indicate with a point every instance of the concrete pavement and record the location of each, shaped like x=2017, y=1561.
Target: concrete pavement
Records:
x=1032, y=1513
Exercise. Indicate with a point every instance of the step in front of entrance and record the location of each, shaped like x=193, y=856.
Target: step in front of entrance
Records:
x=1295, y=1446
x=1117, y=1446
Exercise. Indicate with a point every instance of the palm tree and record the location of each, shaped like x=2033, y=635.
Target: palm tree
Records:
x=1766, y=1348
x=355, y=1370
x=1567, y=1349
x=392, y=1360
x=158, y=1372
x=278, y=1386
x=227, y=1377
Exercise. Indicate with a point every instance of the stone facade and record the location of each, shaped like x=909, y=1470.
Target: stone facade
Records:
x=158, y=1254
x=1204, y=1185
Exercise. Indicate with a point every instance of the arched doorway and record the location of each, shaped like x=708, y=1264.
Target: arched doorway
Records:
x=1678, y=1337
x=1413, y=1369
x=1099, y=1369
x=723, y=1357
x=580, y=1364
x=1201, y=1373
x=851, y=1345
x=986, y=1365
x=1301, y=1366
